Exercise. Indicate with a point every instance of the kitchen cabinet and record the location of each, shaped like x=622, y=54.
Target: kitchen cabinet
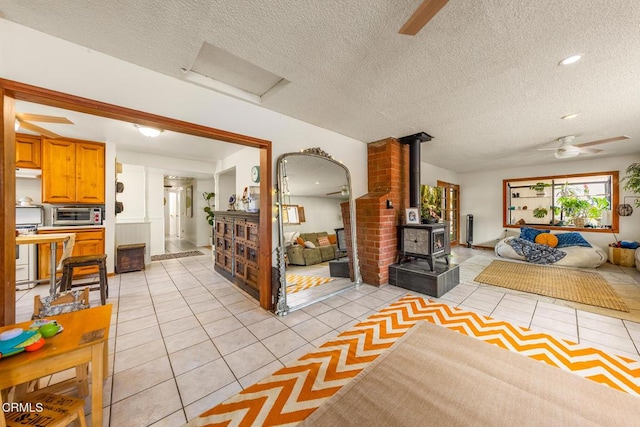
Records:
x=28, y=151
x=73, y=171
x=89, y=241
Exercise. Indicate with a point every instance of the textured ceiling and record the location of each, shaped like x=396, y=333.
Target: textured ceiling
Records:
x=481, y=77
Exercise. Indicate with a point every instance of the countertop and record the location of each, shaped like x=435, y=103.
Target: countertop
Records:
x=70, y=227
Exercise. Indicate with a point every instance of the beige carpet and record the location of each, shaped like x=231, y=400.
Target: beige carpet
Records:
x=585, y=287
x=434, y=376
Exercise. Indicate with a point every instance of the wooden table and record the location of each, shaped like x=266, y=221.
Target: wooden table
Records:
x=53, y=240
x=83, y=340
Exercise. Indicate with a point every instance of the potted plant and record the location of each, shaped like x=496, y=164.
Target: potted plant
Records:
x=540, y=212
x=539, y=188
x=632, y=181
x=208, y=197
x=431, y=201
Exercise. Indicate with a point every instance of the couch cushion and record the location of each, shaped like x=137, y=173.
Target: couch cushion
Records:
x=547, y=239
x=530, y=234
x=571, y=239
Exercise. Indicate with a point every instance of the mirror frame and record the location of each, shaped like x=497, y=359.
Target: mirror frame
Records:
x=281, y=306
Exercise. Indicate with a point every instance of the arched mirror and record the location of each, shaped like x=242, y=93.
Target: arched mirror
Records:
x=317, y=256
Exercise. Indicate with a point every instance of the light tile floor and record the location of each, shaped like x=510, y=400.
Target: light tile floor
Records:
x=183, y=339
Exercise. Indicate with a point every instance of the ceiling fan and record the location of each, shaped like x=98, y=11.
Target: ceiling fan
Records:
x=344, y=191
x=423, y=14
x=568, y=149
x=23, y=120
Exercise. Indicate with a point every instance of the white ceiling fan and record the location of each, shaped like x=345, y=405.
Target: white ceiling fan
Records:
x=344, y=191
x=568, y=149
x=23, y=120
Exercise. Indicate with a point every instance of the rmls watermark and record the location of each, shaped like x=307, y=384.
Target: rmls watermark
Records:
x=22, y=407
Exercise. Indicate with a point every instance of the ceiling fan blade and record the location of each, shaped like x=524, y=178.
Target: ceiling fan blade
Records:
x=38, y=129
x=603, y=141
x=335, y=192
x=423, y=14
x=42, y=118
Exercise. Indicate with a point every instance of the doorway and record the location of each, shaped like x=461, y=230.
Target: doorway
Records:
x=451, y=209
x=12, y=90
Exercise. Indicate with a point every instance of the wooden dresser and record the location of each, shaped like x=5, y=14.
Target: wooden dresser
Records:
x=236, y=240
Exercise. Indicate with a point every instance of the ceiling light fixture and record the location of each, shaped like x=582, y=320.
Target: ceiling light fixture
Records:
x=16, y=125
x=569, y=116
x=148, y=131
x=570, y=60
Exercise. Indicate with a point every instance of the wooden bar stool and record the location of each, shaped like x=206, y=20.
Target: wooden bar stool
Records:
x=57, y=411
x=72, y=262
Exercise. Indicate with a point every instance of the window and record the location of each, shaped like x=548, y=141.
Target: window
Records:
x=292, y=214
x=580, y=201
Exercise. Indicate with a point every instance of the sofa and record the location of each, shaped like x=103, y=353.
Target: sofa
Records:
x=311, y=252
x=581, y=256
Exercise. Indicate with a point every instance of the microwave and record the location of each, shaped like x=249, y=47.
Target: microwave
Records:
x=64, y=216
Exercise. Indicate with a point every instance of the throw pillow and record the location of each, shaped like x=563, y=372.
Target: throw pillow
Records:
x=309, y=245
x=332, y=239
x=323, y=241
x=530, y=234
x=300, y=241
x=547, y=239
x=572, y=239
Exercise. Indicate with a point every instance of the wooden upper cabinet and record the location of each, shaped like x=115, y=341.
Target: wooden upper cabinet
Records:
x=89, y=173
x=28, y=151
x=72, y=171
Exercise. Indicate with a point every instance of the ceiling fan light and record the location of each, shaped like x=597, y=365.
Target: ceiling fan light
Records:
x=569, y=116
x=563, y=153
x=16, y=125
x=148, y=131
x=570, y=60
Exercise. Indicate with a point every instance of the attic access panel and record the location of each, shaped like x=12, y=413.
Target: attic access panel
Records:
x=220, y=65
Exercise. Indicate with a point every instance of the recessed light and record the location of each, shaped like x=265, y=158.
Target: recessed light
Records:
x=569, y=116
x=317, y=182
x=570, y=60
x=148, y=131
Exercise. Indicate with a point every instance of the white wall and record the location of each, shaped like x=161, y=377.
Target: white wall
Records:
x=202, y=228
x=482, y=196
x=79, y=71
x=321, y=214
x=430, y=175
x=133, y=177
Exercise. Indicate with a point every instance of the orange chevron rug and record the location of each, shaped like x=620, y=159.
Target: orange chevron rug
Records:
x=292, y=393
x=300, y=282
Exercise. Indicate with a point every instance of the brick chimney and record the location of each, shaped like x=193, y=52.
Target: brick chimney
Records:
x=380, y=211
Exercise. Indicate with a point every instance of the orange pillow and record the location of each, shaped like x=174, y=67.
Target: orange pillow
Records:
x=547, y=239
x=300, y=241
x=332, y=239
x=323, y=241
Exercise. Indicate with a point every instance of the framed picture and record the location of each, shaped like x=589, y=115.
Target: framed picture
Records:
x=412, y=216
x=189, y=201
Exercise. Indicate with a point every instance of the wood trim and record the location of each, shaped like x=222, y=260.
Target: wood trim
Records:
x=8, y=213
x=448, y=186
x=11, y=90
x=25, y=92
x=615, y=201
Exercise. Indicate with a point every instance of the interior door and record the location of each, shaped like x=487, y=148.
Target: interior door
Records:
x=451, y=209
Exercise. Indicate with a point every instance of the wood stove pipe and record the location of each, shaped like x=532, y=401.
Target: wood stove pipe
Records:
x=414, y=142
